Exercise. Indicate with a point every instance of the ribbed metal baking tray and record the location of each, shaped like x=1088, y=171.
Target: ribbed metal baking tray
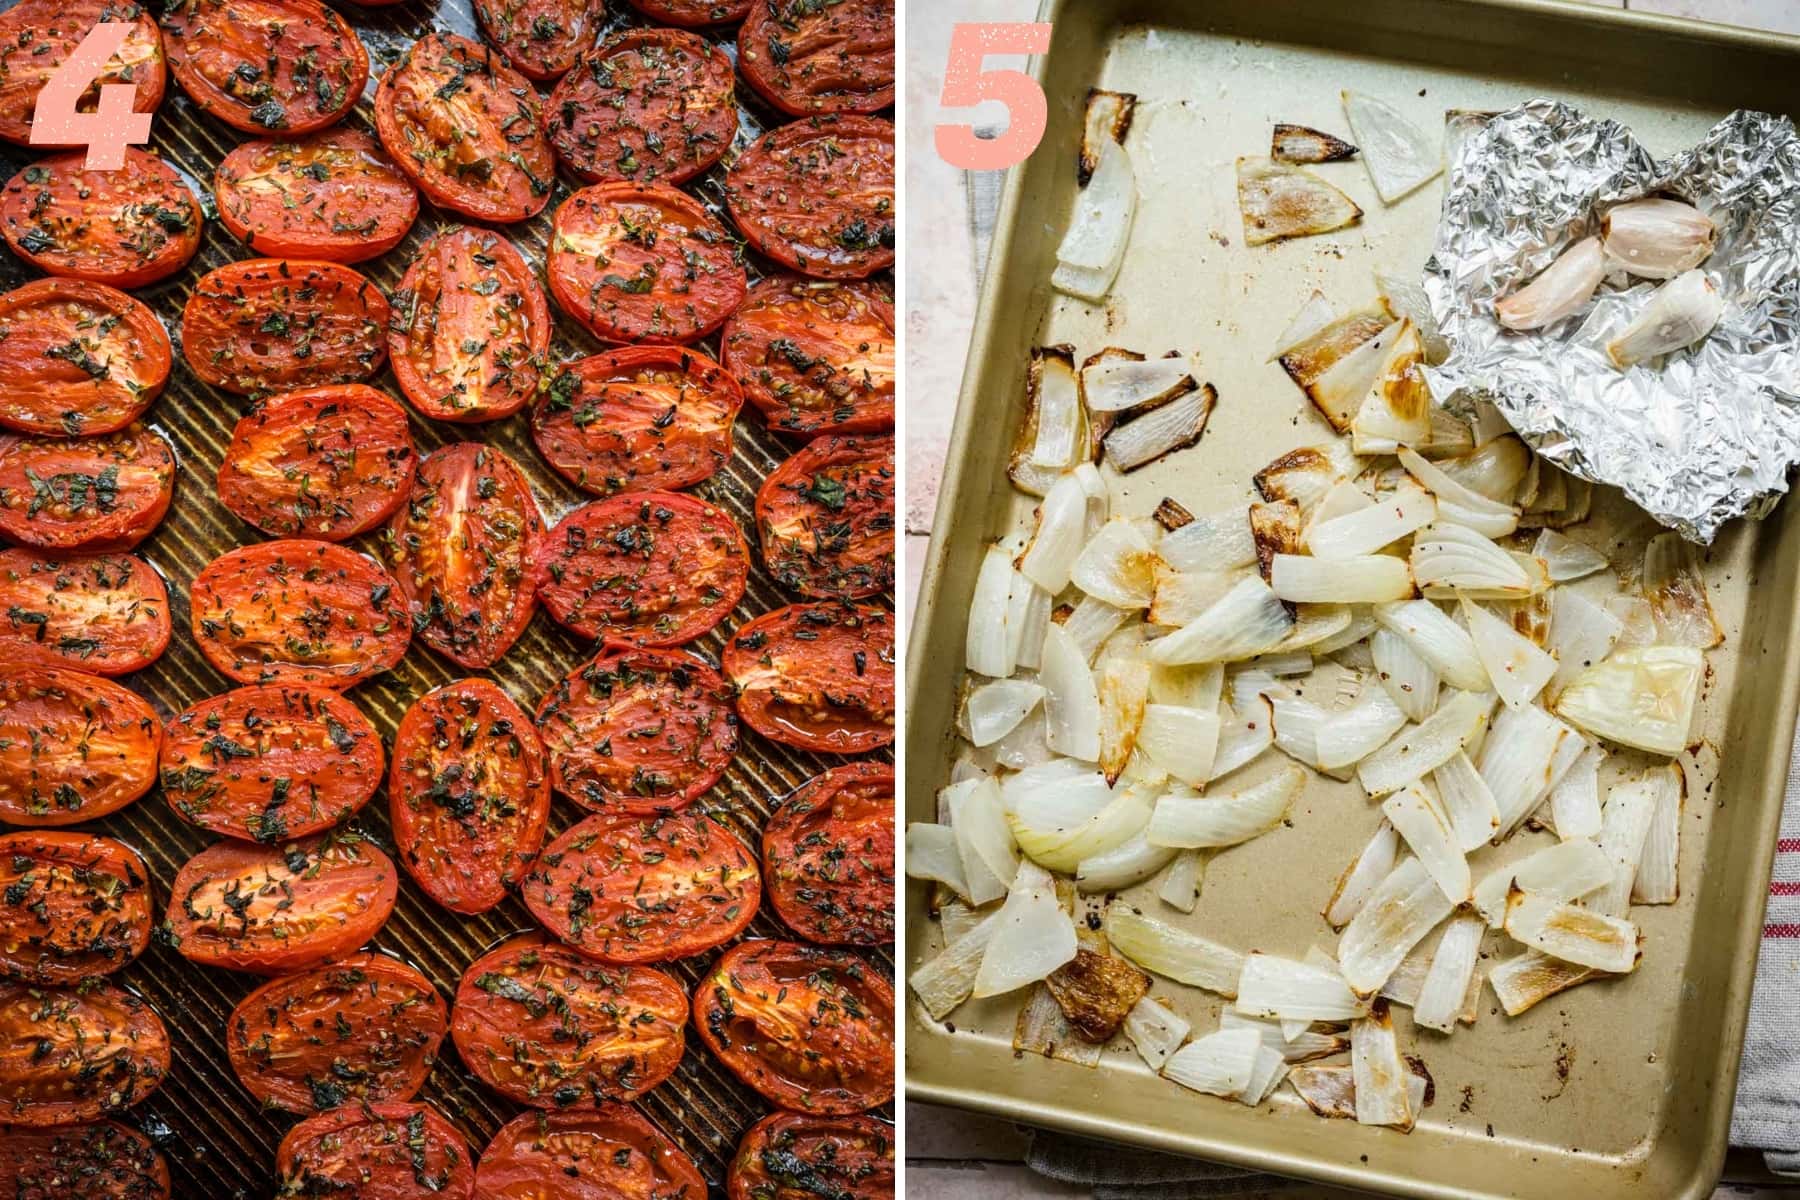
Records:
x=220, y=1146
x=1610, y=1090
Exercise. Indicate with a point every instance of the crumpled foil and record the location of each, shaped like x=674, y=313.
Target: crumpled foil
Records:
x=1695, y=438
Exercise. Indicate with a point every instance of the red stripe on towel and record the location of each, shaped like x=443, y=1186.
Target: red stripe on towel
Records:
x=1787, y=845
x=1784, y=887
x=1783, y=930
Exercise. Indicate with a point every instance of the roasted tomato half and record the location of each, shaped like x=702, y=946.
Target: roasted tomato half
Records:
x=648, y=105
x=611, y=1153
x=78, y=358
x=471, y=328
x=826, y=518
x=643, y=263
x=800, y=1156
x=329, y=462
x=547, y=1027
x=73, y=747
x=655, y=568
x=109, y=1161
x=73, y=906
x=262, y=66
x=99, y=493
x=462, y=547
x=469, y=795
x=75, y=1054
x=817, y=676
x=276, y=324
x=818, y=196
x=357, y=1031
x=270, y=763
x=828, y=854
x=105, y=613
x=638, y=731
x=627, y=889
x=693, y=13
x=811, y=1029
x=815, y=357
x=638, y=419
x=388, y=1151
x=39, y=36
x=125, y=228
x=298, y=611
x=540, y=38
x=807, y=58
x=271, y=909
x=335, y=195
x=466, y=127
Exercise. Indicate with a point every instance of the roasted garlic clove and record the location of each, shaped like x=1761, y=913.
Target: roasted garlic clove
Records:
x=1559, y=290
x=1657, y=239
x=1682, y=311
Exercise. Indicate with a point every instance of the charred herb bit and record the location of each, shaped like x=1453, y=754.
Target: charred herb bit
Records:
x=276, y=323
x=826, y=491
x=326, y=1093
x=36, y=241
x=508, y=988
x=641, y=284
x=77, y=356
x=270, y=115
x=340, y=737
x=789, y=1169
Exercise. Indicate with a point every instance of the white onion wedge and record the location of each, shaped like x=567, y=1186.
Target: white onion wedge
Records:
x=932, y=853
x=1401, y=158
x=956, y=917
x=1297, y=723
x=984, y=841
x=1071, y=700
x=1415, y=751
x=1493, y=470
x=1636, y=620
x=1582, y=633
x=1366, y=579
x=1565, y=558
x=1182, y=741
x=1042, y=1028
x=1172, y=953
x=1405, y=297
x=1025, y=746
x=1360, y=626
x=1442, y=996
x=1200, y=686
x=995, y=709
x=1307, y=474
x=1524, y=980
x=1427, y=833
x=1090, y=253
x=1304, y=1046
x=1283, y=988
x=1090, y=624
x=1118, y=565
x=1181, y=596
x=1519, y=760
x=1062, y=437
x=1369, y=528
x=1219, y=541
x=1279, y=200
x=1161, y=430
x=1677, y=594
x=1330, y=1091
x=1156, y=1030
x=1313, y=316
x=1439, y=640
x=1122, y=682
x=1064, y=848
x=1379, y=1072
x=1574, y=934
x=1180, y=885
x=1356, y=732
x=1396, y=411
x=1518, y=669
x=1657, y=879
x=1404, y=907
x=1642, y=698
x=987, y=646
x=1246, y=732
x=1034, y=935
x=1565, y=871
x=1451, y=560
x=1061, y=532
x=1363, y=876
x=1131, y=861
x=1107, y=118
x=1062, y=793
x=1625, y=821
x=1407, y=677
x=1204, y=822
x=1339, y=392
x=1459, y=504
x=1313, y=624
x=1275, y=526
x=947, y=980
x=1219, y=1064
x=1027, y=615
x=1117, y=382
x=1265, y=1077
x=1244, y=622
x=1575, y=800
x=1343, y=499
x=1467, y=802
x=1306, y=359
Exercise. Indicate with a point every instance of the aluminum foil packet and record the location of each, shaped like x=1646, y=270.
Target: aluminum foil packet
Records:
x=1695, y=438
